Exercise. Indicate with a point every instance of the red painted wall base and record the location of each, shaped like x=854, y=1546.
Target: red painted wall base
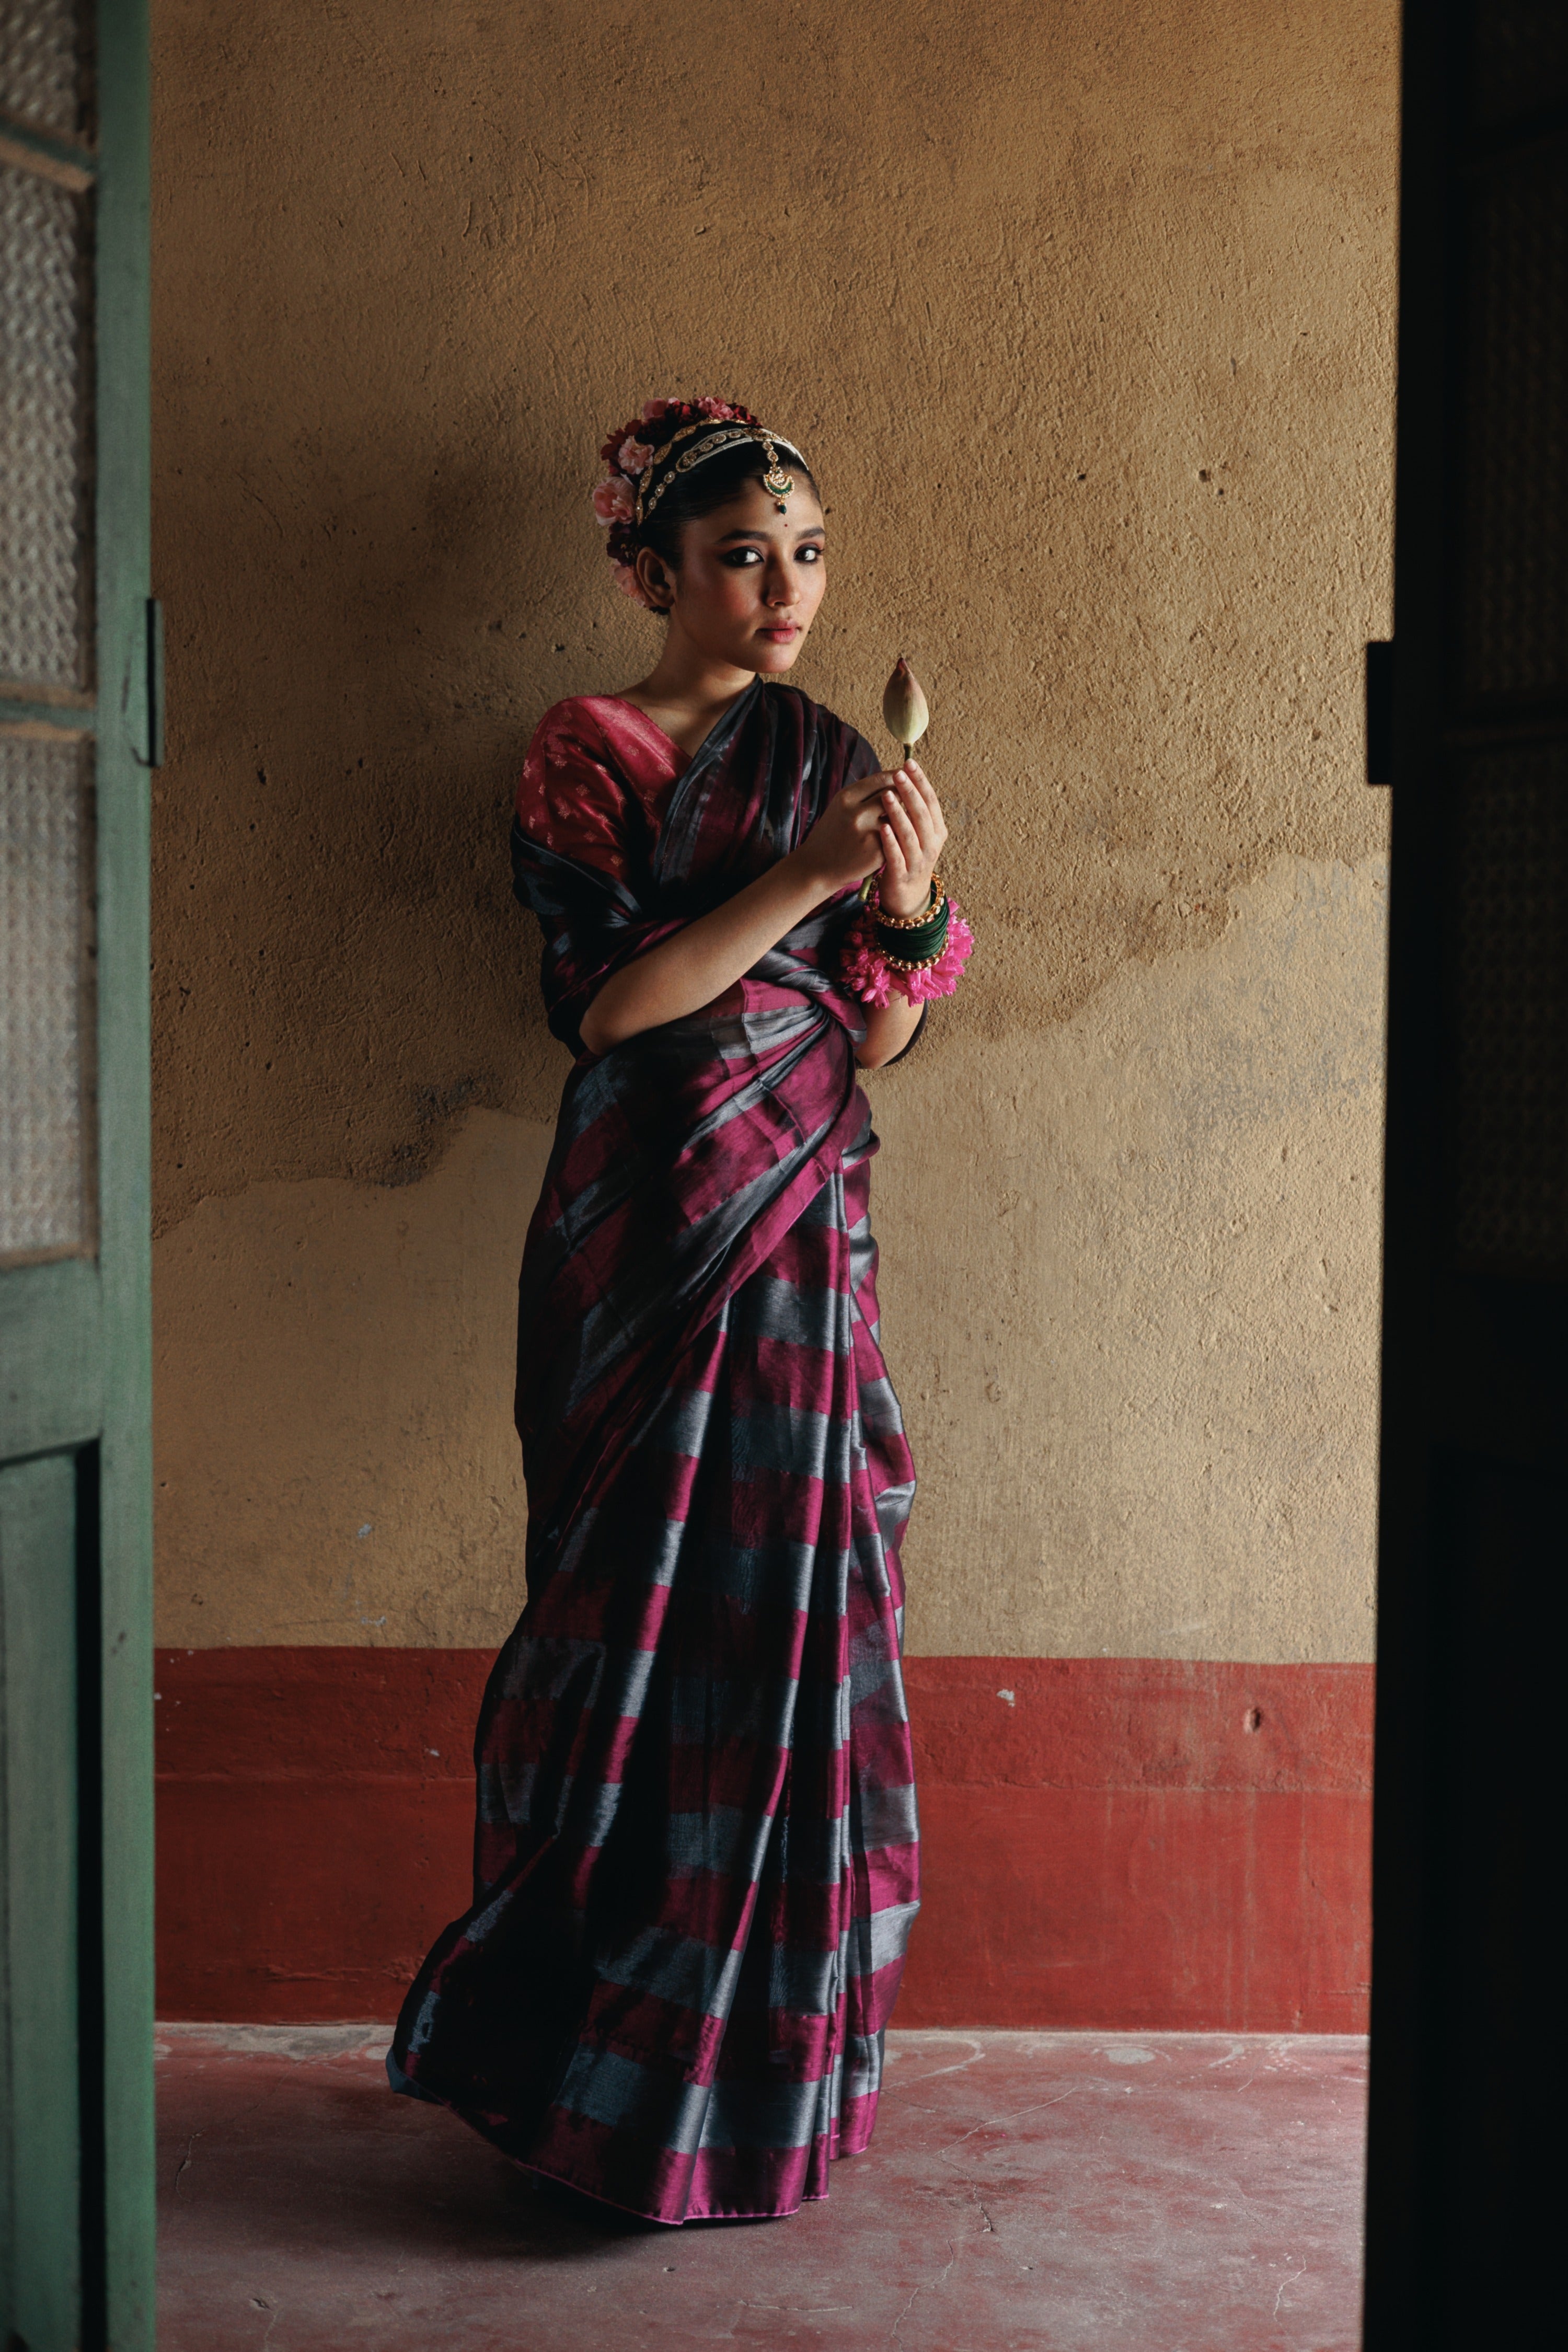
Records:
x=1106, y=1842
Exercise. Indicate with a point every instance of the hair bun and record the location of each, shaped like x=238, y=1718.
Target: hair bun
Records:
x=628, y=453
x=649, y=490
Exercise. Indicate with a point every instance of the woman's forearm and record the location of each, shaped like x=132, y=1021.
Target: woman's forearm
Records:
x=705, y=959
x=864, y=829
x=889, y=1028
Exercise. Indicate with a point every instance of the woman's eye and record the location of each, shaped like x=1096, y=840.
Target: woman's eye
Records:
x=810, y=554
x=740, y=558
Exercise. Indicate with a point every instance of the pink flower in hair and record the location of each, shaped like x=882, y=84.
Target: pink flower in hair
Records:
x=717, y=409
x=626, y=582
x=613, y=501
x=652, y=410
x=633, y=454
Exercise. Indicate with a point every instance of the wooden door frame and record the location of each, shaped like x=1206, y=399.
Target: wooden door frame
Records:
x=80, y=1383
x=129, y=728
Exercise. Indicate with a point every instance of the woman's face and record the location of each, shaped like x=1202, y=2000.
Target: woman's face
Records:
x=751, y=579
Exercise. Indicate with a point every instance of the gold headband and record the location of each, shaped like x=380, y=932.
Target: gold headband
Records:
x=776, y=481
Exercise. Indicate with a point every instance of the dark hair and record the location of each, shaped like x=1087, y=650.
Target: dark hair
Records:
x=704, y=490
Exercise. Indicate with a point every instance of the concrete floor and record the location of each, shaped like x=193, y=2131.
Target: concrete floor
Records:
x=1025, y=2193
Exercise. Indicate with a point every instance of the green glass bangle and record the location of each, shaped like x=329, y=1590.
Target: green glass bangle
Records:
x=911, y=945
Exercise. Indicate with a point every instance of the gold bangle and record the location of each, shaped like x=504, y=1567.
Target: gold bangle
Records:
x=919, y=963
x=871, y=891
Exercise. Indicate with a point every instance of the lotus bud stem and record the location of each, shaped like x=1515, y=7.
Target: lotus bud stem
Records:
x=904, y=707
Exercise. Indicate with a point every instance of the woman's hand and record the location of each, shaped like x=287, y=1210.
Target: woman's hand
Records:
x=845, y=844
x=912, y=831
x=891, y=825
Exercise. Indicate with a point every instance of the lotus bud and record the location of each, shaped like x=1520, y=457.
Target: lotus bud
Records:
x=904, y=707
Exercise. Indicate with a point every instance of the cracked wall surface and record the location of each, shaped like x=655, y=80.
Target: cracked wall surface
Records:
x=1087, y=321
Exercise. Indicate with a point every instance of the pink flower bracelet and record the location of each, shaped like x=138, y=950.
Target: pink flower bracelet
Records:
x=921, y=955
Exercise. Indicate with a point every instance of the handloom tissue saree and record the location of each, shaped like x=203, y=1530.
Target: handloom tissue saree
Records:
x=695, y=1863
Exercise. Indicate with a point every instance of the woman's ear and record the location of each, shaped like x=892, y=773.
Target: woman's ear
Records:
x=655, y=579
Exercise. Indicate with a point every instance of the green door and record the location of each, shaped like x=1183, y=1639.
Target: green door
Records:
x=79, y=722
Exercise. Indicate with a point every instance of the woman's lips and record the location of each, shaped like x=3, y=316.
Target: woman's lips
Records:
x=782, y=632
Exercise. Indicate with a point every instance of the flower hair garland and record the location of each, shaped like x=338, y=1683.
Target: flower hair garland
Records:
x=629, y=451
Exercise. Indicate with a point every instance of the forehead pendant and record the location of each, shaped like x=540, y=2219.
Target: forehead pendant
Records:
x=776, y=481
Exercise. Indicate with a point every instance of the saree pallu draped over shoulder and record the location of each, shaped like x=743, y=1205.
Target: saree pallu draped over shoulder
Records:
x=695, y=1859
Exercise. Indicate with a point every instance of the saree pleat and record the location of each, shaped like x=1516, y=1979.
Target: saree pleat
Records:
x=696, y=1845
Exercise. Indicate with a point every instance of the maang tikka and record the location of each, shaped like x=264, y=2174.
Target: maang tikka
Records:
x=775, y=480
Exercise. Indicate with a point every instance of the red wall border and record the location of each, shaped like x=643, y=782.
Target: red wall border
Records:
x=1107, y=1843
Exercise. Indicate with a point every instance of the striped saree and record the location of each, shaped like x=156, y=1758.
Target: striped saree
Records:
x=695, y=1856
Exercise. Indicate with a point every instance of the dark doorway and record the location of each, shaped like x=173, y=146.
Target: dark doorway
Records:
x=1475, y=1443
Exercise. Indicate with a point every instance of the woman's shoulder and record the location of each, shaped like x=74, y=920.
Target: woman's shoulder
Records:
x=595, y=763
x=796, y=699
x=608, y=727
x=578, y=723
x=839, y=739
x=567, y=759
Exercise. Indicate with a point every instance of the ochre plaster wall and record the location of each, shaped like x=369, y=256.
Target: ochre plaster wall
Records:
x=1085, y=315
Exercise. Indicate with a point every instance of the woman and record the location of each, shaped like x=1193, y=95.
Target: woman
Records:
x=695, y=1856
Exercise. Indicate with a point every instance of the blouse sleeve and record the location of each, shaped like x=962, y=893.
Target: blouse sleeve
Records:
x=570, y=799
x=581, y=842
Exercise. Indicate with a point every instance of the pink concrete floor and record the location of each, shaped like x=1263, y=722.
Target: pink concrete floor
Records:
x=1026, y=2192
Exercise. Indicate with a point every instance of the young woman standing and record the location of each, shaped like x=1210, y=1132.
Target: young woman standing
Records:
x=696, y=1859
